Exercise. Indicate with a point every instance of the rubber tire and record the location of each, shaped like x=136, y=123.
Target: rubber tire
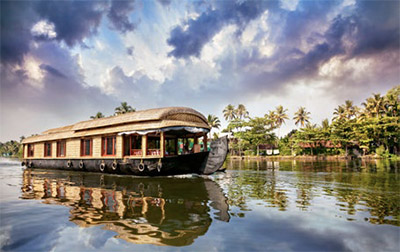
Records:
x=102, y=167
x=114, y=166
x=69, y=164
x=81, y=165
x=141, y=167
x=159, y=167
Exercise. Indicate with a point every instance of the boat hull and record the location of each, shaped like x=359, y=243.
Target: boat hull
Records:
x=175, y=165
x=200, y=163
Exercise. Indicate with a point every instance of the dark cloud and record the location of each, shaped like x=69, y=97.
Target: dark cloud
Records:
x=129, y=50
x=377, y=27
x=73, y=20
x=165, y=2
x=16, y=20
x=52, y=70
x=118, y=15
x=189, y=41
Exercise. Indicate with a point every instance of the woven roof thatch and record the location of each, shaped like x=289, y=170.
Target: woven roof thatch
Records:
x=139, y=120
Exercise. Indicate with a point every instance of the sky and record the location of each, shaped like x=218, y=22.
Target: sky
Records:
x=64, y=61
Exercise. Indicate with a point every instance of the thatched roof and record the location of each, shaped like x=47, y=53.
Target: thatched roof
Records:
x=139, y=120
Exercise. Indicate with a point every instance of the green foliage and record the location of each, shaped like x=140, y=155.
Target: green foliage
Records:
x=373, y=128
x=11, y=148
x=380, y=151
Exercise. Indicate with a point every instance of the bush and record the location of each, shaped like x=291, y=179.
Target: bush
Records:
x=380, y=151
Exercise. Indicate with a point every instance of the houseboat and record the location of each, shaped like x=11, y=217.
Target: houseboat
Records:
x=162, y=141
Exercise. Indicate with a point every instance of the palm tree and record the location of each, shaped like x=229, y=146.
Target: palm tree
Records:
x=301, y=116
x=340, y=113
x=325, y=124
x=124, y=108
x=242, y=112
x=281, y=115
x=271, y=117
x=229, y=112
x=214, y=122
x=374, y=105
x=350, y=109
x=98, y=115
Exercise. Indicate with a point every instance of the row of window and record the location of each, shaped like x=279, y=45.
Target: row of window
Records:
x=132, y=146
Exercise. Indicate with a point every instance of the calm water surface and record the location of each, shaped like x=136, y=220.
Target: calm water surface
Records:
x=253, y=206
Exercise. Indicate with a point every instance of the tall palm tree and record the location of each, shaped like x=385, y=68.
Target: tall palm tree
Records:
x=271, y=118
x=325, y=124
x=229, y=112
x=302, y=116
x=281, y=115
x=339, y=113
x=214, y=122
x=124, y=108
x=374, y=105
x=241, y=111
x=98, y=115
x=350, y=109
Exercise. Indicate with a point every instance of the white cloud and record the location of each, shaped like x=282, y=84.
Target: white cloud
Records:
x=44, y=29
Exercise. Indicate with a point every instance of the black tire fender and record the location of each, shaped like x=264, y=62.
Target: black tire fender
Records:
x=81, y=164
x=102, y=167
x=114, y=165
x=141, y=167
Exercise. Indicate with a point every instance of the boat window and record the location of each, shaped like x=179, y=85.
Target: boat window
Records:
x=61, y=148
x=108, y=146
x=153, y=145
x=86, y=147
x=47, y=149
x=170, y=146
x=31, y=151
x=133, y=145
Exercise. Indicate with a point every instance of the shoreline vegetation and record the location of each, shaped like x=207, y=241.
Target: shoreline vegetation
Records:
x=313, y=158
x=369, y=131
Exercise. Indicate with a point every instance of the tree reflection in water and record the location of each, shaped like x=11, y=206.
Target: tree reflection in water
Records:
x=361, y=190
x=160, y=211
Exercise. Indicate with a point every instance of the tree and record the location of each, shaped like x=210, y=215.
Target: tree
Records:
x=124, y=108
x=98, y=115
x=229, y=112
x=214, y=122
x=339, y=113
x=241, y=111
x=280, y=117
x=302, y=116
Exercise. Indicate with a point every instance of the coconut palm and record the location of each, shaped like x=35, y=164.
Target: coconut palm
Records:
x=214, y=122
x=374, y=105
x=124, y=108
x=280, y=115
x=229, y=112
x=339, y=113
x=325, y=124
x=271, y=118
x=350, y=109
x=242, y=112
x=98, y=115
x=301, y=116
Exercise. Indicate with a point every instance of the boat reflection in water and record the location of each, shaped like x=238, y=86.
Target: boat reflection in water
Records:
x=160, y=211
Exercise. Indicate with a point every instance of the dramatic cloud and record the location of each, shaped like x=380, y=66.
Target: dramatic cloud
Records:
x=73, y=20
x=189, y=41
x=118, y=15
x=62, y=61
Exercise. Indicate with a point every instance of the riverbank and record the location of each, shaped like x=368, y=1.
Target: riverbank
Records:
x=311, y=158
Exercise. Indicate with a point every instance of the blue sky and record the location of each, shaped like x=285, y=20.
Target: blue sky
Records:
x=62, y=62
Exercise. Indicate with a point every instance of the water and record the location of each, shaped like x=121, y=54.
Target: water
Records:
x=254, y=206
